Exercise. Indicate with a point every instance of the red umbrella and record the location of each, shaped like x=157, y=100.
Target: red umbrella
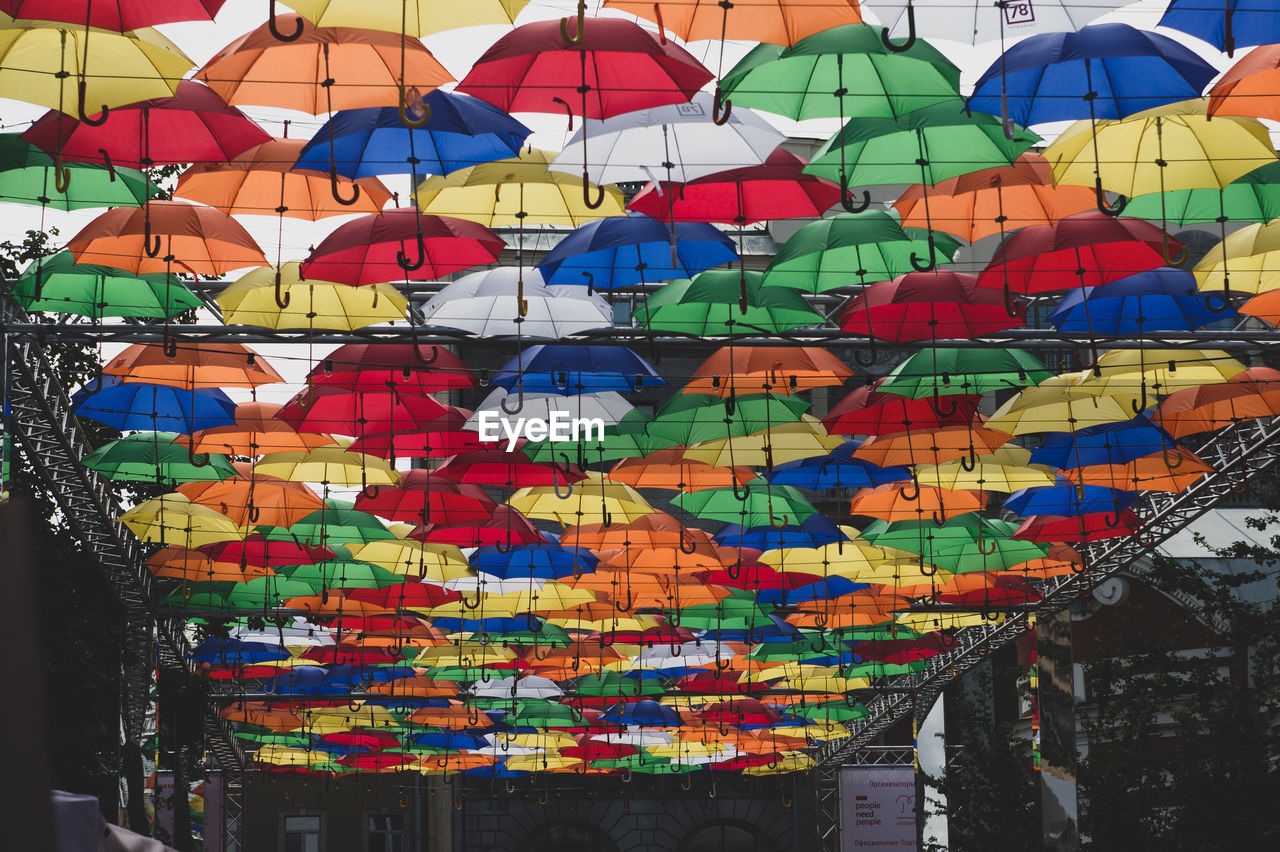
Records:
x=759, y=576
x=256, y=549
x=118, y=15
x=1083, y=250
x=511, y=469
x=351, y=655
x=378, y=248
x=718, y=683
x=415, y=369
x=406, y=596
x=194, y=125
x=592, y=749
x=422, y=497
x=603, y=68
x=439, y=437
x=901, y=651
x=933, y=305
x=741, y=711
x=778, y=189
x=337, y=410
x=1090, y=527
x=505, y=528
x=867, y=411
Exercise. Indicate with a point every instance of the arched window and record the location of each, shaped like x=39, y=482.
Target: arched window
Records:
x=726, y=835
x=569, y=836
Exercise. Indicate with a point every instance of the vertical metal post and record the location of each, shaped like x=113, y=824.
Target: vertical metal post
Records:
x=1059, y=809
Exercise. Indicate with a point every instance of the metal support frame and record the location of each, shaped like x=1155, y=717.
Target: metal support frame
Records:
x=1234, y=452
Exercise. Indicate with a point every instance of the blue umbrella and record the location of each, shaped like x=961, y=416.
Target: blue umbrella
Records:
x=839, y=469
x=816, y=531
x=523, y=624
x=153, y=408
x=568, y=370
x=1226, y=25
x=543, y=561
x=462, y=131
x=619, y=251
x=306, y=680
x=460, y=740
x=832, y=587
x=1048, y=77
x=774, y=630
x=235, y=652
x=1163, y=299
x=646, y=714
x=1109, y=443
x=1064, y=499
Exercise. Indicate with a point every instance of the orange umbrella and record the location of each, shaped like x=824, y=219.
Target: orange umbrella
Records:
x=1170, y=470
x=195, y=566
x=652, y=530
x=838, y=620
x=931, y=446
x=415, y=687
x=255, y=499
x=671, y=470
x=993, y=201
x=910, y=501
x=199, y=365
x=164, y=237
x=264, y=715
x=1249, y=87
x=772, y=21
x=664, y=560
x=454, y=716
x=257, y=431
x=367, y=67
x=262, y=181
x=767, y=369
x=1265, y=306
x=337, y=605
x=1247, y=395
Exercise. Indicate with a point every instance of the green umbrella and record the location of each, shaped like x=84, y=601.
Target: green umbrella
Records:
x=853, y=249
x=266, y=592
x=333, y=524
x=945, y=371
x=626, y=440
x=924, y=146
x=613, y=683
x=833, y=711
x=959, y=531
x=342, y=574
x=692, y=418
x=28, y=176
x=711, y=305
x=973, y=555
x=732, y=613
x=760, y=505
x=844, y=71
x=1254, y=197
x=816, y=645
x=643, y=762
x=60, y=285
x=204, y=596
x=270, y=737
x=153, y=457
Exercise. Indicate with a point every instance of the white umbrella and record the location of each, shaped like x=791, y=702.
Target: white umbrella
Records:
x=607, y=406
x=531, y=686
x=678, y=142
x=977, y=23
x=487, y=304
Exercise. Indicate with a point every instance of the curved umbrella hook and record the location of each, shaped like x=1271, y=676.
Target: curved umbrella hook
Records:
x=911, y=33
x=333, y=188
x=413, y=123
x=693, y=543
x=931, y=263
x=1170, y=463
x=846, y=202
x=576, y=38
x=275, y=28
x=468, y=604
x=402, y=259
x=982, y=542
x=721, y=107
x=152, y=249
x=1139, y=407
x=84, y=118
x=61, y=175
x=282, y=298
x=1176, y=260
x=555, y=480
x=915, y=493
x=1219, y=307
x=936, y=405
x=970, y=463
x=1101, y=198
x=502, y=403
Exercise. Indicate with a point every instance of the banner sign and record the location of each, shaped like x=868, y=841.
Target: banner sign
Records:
x=877, y=808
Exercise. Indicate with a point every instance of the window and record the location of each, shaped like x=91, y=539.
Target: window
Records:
x=569, y=836
x=302, y=832
x=386, y=832
x=726, y=836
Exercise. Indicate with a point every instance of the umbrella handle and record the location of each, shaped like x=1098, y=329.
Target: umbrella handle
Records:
x=982, y=542
x=403, y=259
x=540, y=657
x=333, y=189
x=84, y=118
x=581, y=30
x=719, y=103
x=931, y=569
x=468, y=604
x=502, y=403
x=1164, y=453
x=282, y=298
x=1219, y=307
x=911, y=33
x=95, y=382
x=776, y=522
x=820, y=619
x=687, y=783
x=275, y=29
x=191, y=455
x=938, y=519
x=1112, y=519
x=152, y=249
x=931, y=262
x=62, y=175
x=970, y=462
x=1176, y=260
x=555, y=481
x=1101, y=198
x=626, y=775
x=693, y=544
x=586, y=192
x=740, y=496
x=937, y=408
x=404, y=111
x=845, y=200
x=1139, y=407
x=869, y=359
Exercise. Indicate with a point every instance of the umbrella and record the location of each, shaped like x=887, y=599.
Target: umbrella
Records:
x=841, y=468
x=755, y=503
x=419, y=370
x=113, y=14
x=264, y=297
x=1162, y=299
x=1168, y=470
x=255, y=499
x=1248, y=395
x=1244, y=88
x=413, y=17
x=854, y=249
x=1063, y=401
x=964, y=21
x=1099, y=72
x=776, y=445
x=374, y=249
x=568, y=370
x=1255, y=197
x=437, y=437
x=30, y=176
x=257, y=430
x=950, y=372
x=327, y=408
x=153, y=457
x=1243, y=262
x=1161, y=370
x=867, y=411
x=609, y=407
x=328, y=465
x=1248, y=19
x=689, y=419
x=209, y=365
x=191, y=124
x=60, y=284
x=1265, y=306
x=261, y=180
x=624, y=250
x=507, y=469
x=675, y=142
x=991, y=201
x=505, y=528
x=934, y=305
x=594, y=500
x=892, y=502
x=488, y=304
x=1069, y=500
x=136, y=405
x=322, y=69
x=767, y=369
x=776, y=21
x=199, y=240
x=668, y=469
x=931, y=446
x=172, y=519
x=421, y=497
x=725, y=302
x=1081, y=528
x=1006, y=469
x=1106, y=444
x=259, y=551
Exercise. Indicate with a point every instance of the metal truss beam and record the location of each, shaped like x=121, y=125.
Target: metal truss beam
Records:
x=1236, y=453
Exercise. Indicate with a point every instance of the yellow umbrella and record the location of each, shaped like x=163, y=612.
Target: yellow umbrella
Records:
x=329, y=465
x=330, y=720
x=1162, y=370
x=594, y=500
x=551, y=597
x=803, y=439
x=278, y=755
x=788, y=761
x=47, y=63
x=255, y=299
x=1247, y=261
x=544, y=739
x=490, y=605
x=465, y=654
x=1168, y=148
x=173, y=519
x=1064, y=404
x=637, y=623
x=438, y=562
x=926, y=622
x=410, y=17
x=514, y=192
x=1008, y=469
x=540, y=762
x=837, y=559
